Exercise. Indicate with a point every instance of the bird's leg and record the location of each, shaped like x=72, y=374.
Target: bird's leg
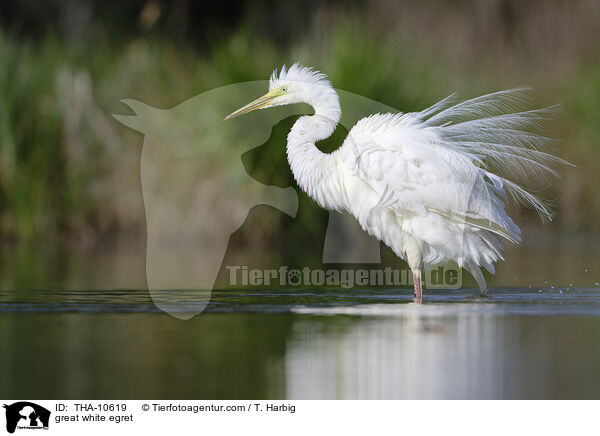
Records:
x=418, y=286
x=415, y=262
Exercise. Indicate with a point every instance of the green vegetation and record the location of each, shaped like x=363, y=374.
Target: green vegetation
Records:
x=70, y=172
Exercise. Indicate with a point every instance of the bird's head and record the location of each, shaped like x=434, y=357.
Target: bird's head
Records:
x=297, y=84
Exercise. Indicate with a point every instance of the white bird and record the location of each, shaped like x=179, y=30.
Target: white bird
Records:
x=420, y=182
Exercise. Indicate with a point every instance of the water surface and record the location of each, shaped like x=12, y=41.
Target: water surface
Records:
x=301, y=344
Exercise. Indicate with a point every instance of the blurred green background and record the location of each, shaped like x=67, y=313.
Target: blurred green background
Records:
x=71, y=210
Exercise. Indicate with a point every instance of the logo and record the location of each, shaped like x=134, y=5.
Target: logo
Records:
x=26, y=415
x=200, y=180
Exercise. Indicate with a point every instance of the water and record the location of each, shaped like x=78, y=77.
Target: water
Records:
x=511, y=343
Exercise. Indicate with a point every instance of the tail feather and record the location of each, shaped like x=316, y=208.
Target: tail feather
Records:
x=491, y=132
x=475, y=271
x=511, y=157
x=513, y=234
x=496, y=103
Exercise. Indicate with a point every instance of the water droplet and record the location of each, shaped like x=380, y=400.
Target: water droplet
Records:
x=586, y=270
x=530, y=286
x=561, y=291
x=597, y=284
x=570, y=284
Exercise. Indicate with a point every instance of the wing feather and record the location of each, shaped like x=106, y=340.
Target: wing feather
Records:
x=459, y=160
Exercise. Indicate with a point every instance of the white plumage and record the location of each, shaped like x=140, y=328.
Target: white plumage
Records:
x=432, y=185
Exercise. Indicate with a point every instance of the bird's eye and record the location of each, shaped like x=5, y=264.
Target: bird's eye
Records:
x=284, y=89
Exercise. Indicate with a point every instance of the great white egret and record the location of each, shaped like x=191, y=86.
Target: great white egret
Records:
x=432, y=185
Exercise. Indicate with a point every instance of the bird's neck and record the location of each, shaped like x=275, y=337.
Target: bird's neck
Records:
x=315, y=171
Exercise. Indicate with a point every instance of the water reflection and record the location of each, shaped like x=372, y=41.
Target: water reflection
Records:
x=416, y=354
x=467, y=351
x=326, y=344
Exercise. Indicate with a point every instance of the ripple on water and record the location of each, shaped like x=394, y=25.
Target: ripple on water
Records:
x=530, y=301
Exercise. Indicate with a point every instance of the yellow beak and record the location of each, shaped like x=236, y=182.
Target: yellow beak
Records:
x=256, y=104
